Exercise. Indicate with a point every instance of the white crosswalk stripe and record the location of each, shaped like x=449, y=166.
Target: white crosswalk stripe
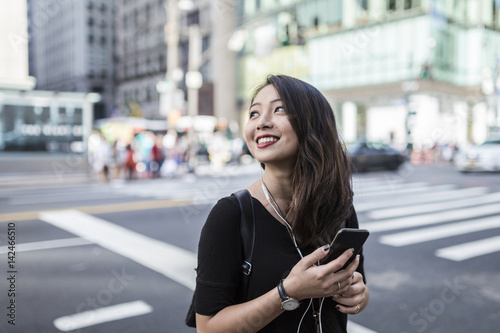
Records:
x=433, y=233
x=470, y=250
x=435, y=207
x=429, y=213
x=404, y=213
x=439, y=193
x=432, y=218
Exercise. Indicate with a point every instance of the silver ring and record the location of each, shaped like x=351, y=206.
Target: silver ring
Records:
x=338, y=284
x=359, y=309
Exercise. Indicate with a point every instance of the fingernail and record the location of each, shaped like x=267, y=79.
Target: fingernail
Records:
x=337, y=307
x=358, y=256
x=326, y=247
x=352, y=250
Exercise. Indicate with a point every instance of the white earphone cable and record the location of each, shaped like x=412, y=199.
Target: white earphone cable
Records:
x=277, y=210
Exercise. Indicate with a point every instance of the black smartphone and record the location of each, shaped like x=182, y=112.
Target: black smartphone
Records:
x=345, y=239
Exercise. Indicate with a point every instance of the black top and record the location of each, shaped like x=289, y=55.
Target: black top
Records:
x=218, y=283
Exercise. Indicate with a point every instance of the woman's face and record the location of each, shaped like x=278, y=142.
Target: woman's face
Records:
x=269, y=133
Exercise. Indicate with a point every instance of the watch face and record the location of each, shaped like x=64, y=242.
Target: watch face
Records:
x=290, y=304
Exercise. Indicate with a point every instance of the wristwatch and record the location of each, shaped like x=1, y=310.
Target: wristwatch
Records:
x=287, y=303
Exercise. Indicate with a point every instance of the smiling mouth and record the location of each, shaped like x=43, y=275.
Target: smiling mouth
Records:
x=267, y=139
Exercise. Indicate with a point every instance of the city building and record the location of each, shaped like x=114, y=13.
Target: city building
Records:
x=14, y=46
x=153, y=57
x=72, y=48
x=35, y=119
x=410, y=73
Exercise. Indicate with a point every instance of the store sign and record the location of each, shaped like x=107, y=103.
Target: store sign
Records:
x=39, y=128
x=51, y=130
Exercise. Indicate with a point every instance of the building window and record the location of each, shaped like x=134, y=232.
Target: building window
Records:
x=394, y=5
x=496, y=13
x=391, y=5
x=193, y=18
x=148, y=13
x=91, y=39
x=161, y=60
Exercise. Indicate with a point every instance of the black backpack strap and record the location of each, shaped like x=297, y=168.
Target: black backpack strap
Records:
x=248, y=240
x=247, y=228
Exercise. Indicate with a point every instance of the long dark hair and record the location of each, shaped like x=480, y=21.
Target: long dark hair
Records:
x=321, y=180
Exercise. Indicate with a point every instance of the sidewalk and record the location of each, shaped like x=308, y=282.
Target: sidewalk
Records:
x=35, y=169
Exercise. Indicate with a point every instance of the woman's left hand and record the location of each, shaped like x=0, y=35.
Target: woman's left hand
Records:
x=355, y=298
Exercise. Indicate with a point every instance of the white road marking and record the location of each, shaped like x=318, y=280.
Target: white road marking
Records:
x=172, y=261
x=355, y=328
x=433, y=218
x=444, y=231
x=63, y=195
x=390, y=186
x=360, y=195
x=435, y=193
x=470, y=250
x=102, y=315
x=434, y=207
x=45, y=245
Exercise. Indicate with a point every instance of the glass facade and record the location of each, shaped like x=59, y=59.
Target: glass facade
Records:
x=445, y=54
x=44, y=121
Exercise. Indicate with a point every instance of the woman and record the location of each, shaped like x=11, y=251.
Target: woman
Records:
x=302, y=199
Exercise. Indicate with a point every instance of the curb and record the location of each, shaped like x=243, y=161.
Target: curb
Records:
x=43, y=180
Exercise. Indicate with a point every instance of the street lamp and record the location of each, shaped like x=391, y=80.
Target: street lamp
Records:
x=168, y=88
x=194, y=79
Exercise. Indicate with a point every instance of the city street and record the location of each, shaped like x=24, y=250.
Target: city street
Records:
x=120, y=257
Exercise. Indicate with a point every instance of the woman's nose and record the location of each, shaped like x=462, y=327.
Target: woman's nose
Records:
x=265, y=121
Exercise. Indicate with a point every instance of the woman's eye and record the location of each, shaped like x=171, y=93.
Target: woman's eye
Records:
x=280, y=109
x=253, y=114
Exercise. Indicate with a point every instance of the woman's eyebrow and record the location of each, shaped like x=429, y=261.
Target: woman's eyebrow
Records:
x=273, y=101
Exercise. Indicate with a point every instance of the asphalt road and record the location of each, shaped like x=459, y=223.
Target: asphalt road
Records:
x=118, y=257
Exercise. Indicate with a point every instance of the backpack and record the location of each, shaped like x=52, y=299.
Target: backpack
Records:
x=248, y=241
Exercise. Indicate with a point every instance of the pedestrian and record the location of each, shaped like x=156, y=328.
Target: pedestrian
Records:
x=102, y=157
x=130, y=164
x=303, y=197
x=157, y=157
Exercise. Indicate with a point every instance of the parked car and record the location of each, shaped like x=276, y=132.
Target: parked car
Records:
x=483, y=157
x=374, y=155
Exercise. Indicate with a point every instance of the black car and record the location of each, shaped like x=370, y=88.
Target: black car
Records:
x=374, y=155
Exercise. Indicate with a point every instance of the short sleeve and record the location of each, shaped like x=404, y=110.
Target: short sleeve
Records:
x=219, y=259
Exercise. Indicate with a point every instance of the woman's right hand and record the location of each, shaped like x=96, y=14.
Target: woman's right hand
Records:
x=307, y=280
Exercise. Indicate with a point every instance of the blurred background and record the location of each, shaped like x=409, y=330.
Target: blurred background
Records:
x=121, y=124
x=414, y=74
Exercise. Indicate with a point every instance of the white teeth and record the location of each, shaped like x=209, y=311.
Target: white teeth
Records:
x=267, y=139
